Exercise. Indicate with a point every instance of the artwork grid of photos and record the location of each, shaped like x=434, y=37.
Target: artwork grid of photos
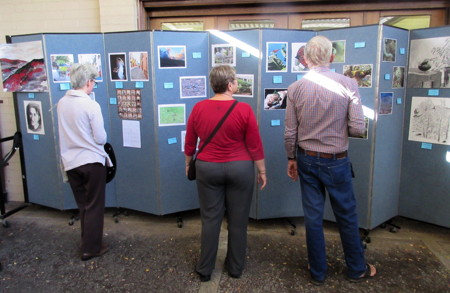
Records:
x=386, y=103
x=23, y=57
x=277, y=58
x=129, y=104
x=33, y=115
x=430, y=120
x=95, y=60
x=223, y=54
x=61, y=64
x=171, y=114
x=339, y=51
x=275, y=99
x=362, y=73
x=298, y=63
x=245, y=85
x=389, y=50
x=192, y=87
x=429, y=63
x=117, y=65
x=139, y=66
x=172, y=57
x=398, y=77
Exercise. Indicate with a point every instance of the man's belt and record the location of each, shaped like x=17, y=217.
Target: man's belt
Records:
x=324, y=155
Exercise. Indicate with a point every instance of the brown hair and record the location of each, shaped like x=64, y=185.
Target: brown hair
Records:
x=220, y=76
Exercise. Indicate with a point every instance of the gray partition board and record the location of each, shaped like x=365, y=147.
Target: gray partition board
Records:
x=176, y=193
x=136, y=176
x=425, y=188
x=282, y=196
x=361, y=47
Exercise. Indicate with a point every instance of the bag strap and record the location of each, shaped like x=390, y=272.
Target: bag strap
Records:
x=217, y=127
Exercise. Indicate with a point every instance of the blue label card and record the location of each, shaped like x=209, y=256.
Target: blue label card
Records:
x=433, y=92
x=360, y=45
x=30, y=95
x=168, y=85
x=387, y=76
x=113, y=101
x=333, y=69
x=35, y=136
x=64, y=86
x=172, y=140
x=299, y=76
x=119, y=85
x=275, y=123
x=245, y=54
x=402, y=51
x=139, y=84
x=277, y=79
x=197, y=55
x=426, y=146
x=399, y=101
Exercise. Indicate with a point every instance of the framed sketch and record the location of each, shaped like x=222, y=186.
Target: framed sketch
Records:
x=224, y=54
x=172, y=57
x=192, y=87
x=171, y=114
x=118, y=68
x=245, y=85
x=138, y=66
x=33, y=114
x=93, y=59
x=298, y=63
x=61, y=67
x=276, y=56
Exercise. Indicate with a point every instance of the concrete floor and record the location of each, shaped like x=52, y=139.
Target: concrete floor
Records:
x=39, y=253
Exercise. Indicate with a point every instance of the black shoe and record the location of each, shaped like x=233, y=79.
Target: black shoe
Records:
x=88, y=256
x=317, y=282
x=203, y=278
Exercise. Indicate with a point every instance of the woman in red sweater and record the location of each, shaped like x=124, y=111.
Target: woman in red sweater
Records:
x=225, y=170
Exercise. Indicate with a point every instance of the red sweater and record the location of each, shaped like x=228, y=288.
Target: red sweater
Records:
x=237, y=139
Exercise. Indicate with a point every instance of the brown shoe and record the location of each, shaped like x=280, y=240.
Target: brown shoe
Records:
x=88, y=256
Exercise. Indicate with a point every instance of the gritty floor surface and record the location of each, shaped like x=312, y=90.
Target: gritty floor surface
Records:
x=39, y=252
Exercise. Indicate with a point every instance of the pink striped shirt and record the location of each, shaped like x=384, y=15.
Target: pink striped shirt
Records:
x=323, y=110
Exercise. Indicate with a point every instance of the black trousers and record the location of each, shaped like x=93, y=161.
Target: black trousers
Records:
x=88, y=183
x=224, y=188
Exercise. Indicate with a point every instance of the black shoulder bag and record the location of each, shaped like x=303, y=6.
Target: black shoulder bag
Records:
x=191, y=172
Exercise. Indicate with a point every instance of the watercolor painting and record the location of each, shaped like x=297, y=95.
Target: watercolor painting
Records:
x=430, y=120
x=172, y=57
x=23, y=67
x=93, y=59
x=277, y=58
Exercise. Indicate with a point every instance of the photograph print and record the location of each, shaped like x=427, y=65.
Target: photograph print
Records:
x=362, y=73
x=398, y=77
x=339, y=51
x=61, y=64
x=245, y=85
x=172, y=57
x=192, y=87
x=23, y=68
x=223, y=54
x=138, y=66
x=389, y=50
x=276, y=60
x=117, y=65
x=275, y=99
x=93, y=59
x=386, y=103
x=298, y=57
x=33, y=114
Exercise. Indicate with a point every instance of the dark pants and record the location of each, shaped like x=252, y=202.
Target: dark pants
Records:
x=318, y=175
x=224, y=187
x=88, y=184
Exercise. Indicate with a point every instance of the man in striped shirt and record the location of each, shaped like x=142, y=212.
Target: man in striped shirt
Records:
x=323, y=110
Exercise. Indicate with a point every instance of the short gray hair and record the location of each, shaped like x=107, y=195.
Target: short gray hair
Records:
x=220, y=76
x=80, y=74
x=318, y=51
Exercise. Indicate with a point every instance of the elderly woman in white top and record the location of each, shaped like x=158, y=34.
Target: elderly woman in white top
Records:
x=82, y=137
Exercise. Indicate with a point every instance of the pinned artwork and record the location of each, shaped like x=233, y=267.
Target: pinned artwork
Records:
x=276, y=56
x=129, y=104
x=172, y=57
x=298, y=57
x=139, y=66
x=192, y=87
x=23, y=68
x=245, y=85
x=275, y=99
x=118, y=70
x=362, y=73
x=61, y=64
x=33, y=114
x=224, y=54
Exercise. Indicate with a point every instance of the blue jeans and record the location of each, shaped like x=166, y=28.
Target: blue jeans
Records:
x=318, y=175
